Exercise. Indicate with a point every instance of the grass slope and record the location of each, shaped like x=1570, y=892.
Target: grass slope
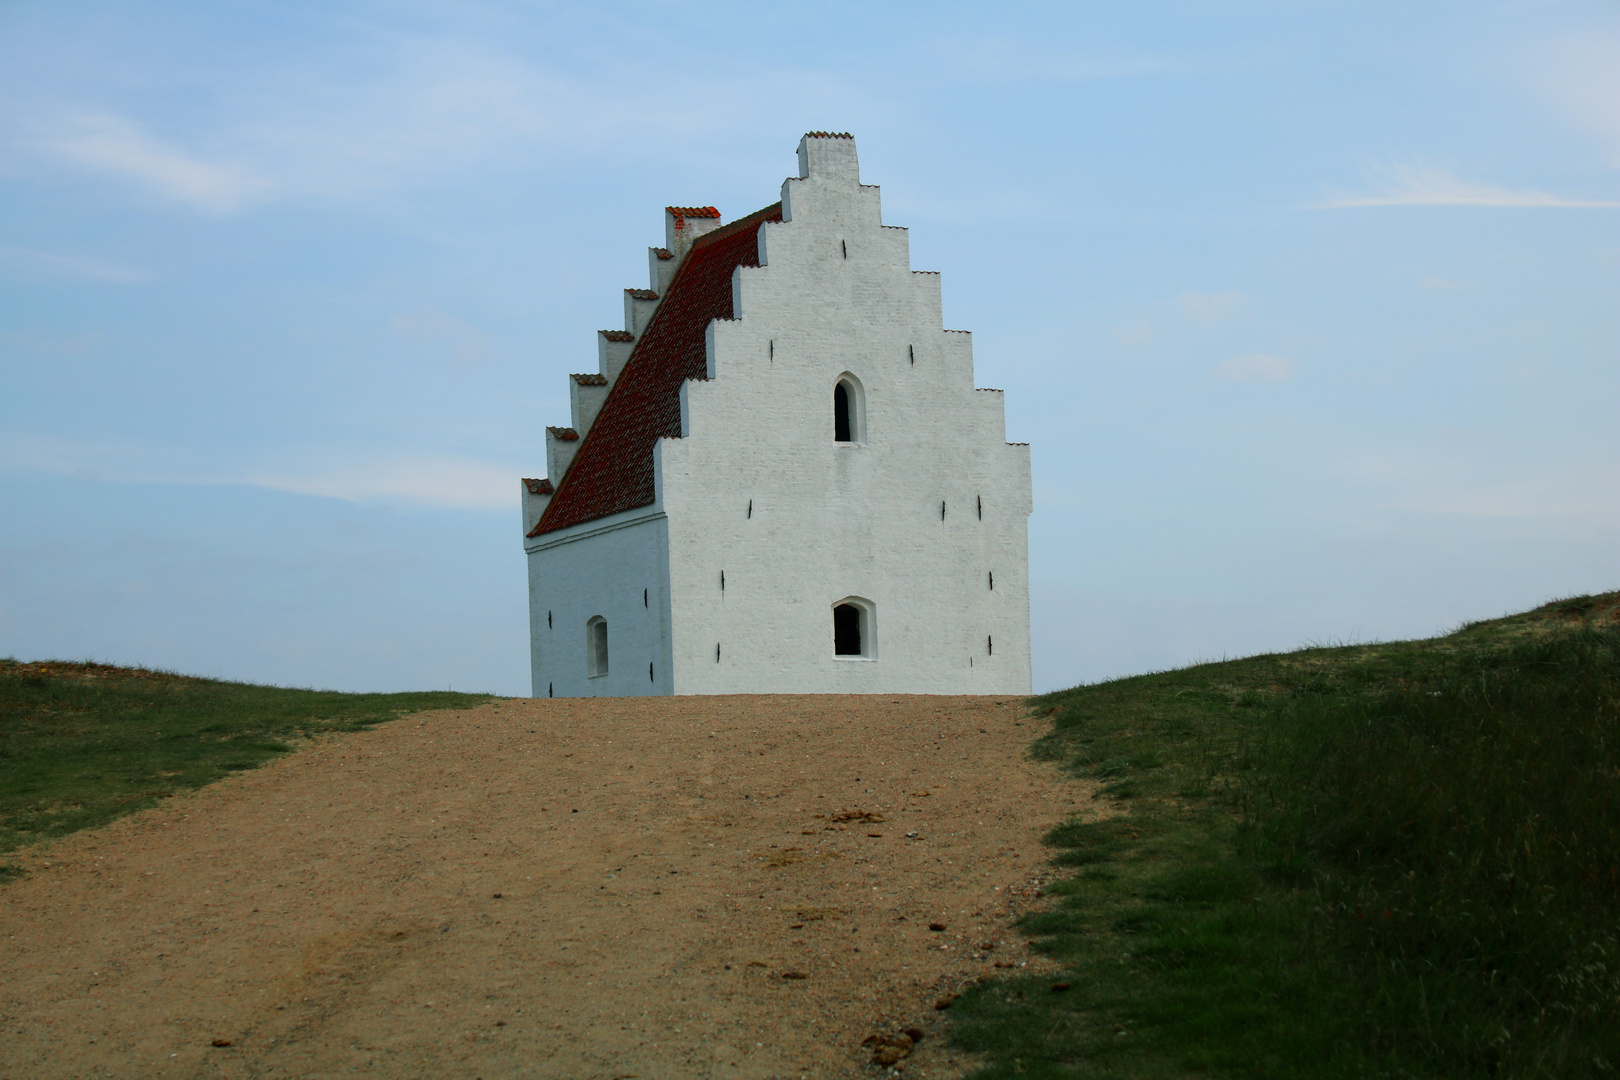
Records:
x=1392, y=860
x=81, y=744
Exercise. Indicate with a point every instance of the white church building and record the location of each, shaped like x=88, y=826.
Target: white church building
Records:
x=782, y=478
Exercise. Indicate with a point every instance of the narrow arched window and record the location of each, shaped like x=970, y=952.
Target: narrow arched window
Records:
x=849, y=410
x=596, y=647
x=854, y=629
x=841, y=426
x=846, y=630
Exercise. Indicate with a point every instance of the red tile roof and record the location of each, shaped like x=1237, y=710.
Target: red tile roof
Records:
x=538, y=487
x=618, y=335
x=693, y=211
x=828, y=135
x=591, y=380
x=663, y=253
x=566, y=434
x=642, y=294
x=613, y=469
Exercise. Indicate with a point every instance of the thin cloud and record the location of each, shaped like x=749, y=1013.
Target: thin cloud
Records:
x=369, y=475
x=115, y=145
x=1408, y=185
x=1255, y=368
x=460, y=483
x=38, y=264
x=1580, y=74
x=1208, y=308
x=466, y=343
x=1009, y=60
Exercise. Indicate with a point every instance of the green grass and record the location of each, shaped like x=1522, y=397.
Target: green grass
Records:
x=82, y=744
x=1390, y=860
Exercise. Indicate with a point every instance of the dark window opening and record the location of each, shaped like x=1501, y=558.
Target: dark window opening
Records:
x=980, y=500
x=717, y=652
x=844, y=245
x=989, y=645
x=551, y=689
x=911, y=354
x=841, y=414
x=722, y=581
x=750, y=509
x=992, y=579
x=649, y=673
x=548, y=620
x=942, y=510
x=846, y=630
x=644, y=602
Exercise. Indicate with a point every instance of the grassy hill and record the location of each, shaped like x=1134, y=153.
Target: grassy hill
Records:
x=1382, y=860
x=81, y=744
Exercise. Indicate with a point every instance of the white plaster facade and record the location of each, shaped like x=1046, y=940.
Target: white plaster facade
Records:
x=761, y=523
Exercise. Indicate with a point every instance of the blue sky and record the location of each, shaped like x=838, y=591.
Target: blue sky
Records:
x=1309, y=310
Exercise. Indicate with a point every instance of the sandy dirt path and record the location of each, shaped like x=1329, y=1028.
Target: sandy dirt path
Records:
x=574, y=888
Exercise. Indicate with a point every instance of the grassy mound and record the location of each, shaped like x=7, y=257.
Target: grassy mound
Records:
x=81, y=744
x=1383, y=860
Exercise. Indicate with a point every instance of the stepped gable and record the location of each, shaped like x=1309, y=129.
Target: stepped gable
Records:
x=613, y=469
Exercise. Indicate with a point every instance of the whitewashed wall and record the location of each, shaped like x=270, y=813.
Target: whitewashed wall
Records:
x=615, y=568
x=836, y=295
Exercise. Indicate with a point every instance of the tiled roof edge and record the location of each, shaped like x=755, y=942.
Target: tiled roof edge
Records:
x=757, y=218
x=732, y=228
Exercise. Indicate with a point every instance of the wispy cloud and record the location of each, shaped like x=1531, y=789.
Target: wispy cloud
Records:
x=1208, y=308
x=1580, y=74
x=36, y=264
x=115, y=145
x=1408, y=185
x=464, y=483
x=1433, y=480
x=1255, y=368
x=365, y=475
x=466, y=343
x=1008, y=59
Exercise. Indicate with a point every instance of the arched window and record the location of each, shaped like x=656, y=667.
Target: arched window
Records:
x=596, y=647
x=849, y=410
x=854, y=629
x=846, y=630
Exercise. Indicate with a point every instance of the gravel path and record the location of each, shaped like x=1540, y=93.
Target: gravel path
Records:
x=655, y=887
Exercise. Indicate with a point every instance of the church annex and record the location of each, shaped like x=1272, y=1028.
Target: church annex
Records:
x=781, y=478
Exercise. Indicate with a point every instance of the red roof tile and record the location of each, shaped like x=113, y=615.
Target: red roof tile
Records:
x=566, y=434
x=693, y=211
x=538, y=487
x=663, y=253
x=828, y=135
x=618, y=335
x=613, y=469
x=642, y=294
